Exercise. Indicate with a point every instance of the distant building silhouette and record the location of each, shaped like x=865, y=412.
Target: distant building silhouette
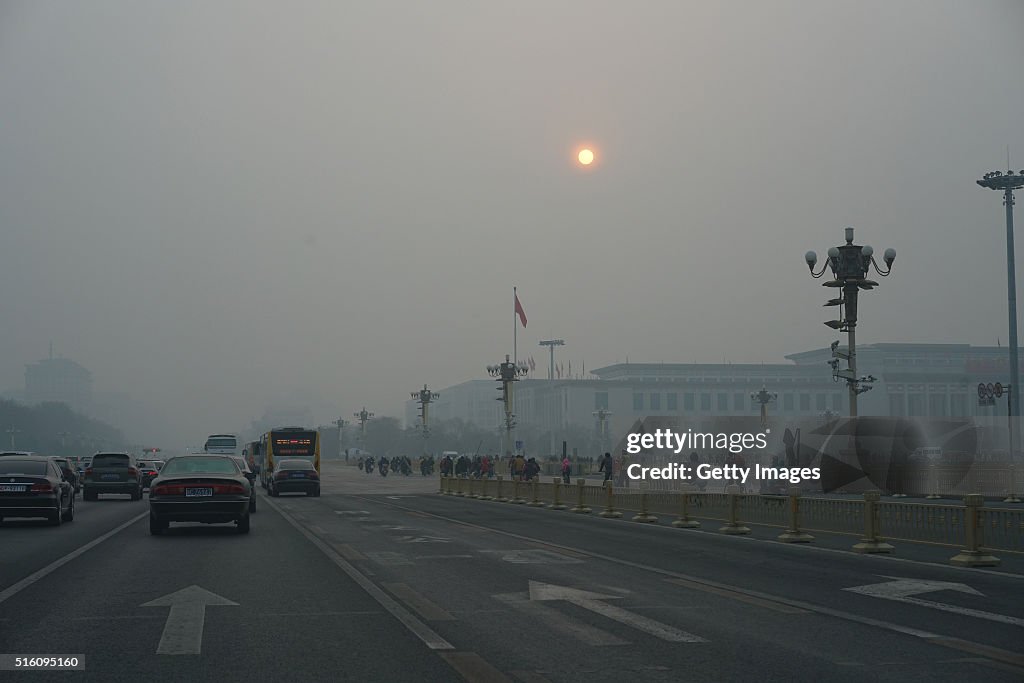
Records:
x=59, y=379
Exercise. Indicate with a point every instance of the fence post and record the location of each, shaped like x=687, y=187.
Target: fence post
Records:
x=557, y=505
x=733, y=526
x=794, y=534
x=934, y=477
x=872, y=542
x=483, y=491
x=684, y=521
x=535, y=503
x=972, y=555
x=580, y=507
x=501, y=496
x=472, y=487
x=644, y=515
x=440, y=488
x=517, y=496
x=609, y=510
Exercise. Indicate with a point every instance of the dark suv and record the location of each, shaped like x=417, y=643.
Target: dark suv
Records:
x=112, y=473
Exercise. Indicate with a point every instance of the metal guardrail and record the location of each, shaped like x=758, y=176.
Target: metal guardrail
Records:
x=971, y=527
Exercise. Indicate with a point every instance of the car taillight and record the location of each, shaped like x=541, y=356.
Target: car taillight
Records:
x=280, y=475
x=167, y=490
x=42, y=487
x=228, y=489
x=88, y=471
x=313, y=475
x=132, y=472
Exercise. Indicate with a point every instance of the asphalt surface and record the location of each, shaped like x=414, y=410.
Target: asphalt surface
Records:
x=384, y=580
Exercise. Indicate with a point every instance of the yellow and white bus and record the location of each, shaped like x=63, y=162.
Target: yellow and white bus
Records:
x=288, y=443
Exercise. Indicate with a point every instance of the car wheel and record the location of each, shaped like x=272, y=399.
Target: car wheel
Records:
x=243, y=525
x=252, y=505
x=56, y=516
x=316, y=494
x=156, y=527
x=70, y=514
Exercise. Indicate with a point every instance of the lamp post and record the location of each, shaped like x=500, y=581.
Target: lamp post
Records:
x=506, y=373
x=763, y=398
x=551, y=344
x=602, y=416
x=63, y=436
x=850, y=264
x=364, y=417
x=12, y=431
x=340, y=424
x=424, y=397
x=1007, y=183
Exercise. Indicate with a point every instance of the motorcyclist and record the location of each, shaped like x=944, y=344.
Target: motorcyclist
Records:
x=368, y=465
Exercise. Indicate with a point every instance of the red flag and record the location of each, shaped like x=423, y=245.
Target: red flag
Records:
x=520, y=312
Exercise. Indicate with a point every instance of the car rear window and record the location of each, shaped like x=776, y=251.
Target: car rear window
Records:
x=200, y=465
x=110, y=460
x=12, y=466
x=296, y=465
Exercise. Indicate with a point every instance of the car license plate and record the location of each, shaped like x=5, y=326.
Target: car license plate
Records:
x=13, y=488
x=298, y=475
x=198, y=493
x=110, y=477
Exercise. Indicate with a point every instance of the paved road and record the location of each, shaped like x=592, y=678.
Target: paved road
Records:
x=383, y=580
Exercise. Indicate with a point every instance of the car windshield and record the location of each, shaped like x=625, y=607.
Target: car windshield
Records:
x=295, y=465
x=200, y=465
x=13, y=466
x=110, y=460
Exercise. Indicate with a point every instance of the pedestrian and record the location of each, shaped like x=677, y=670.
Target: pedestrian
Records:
x=607, y=466
x=566, y=469
x=531, y=469
x=518, y=466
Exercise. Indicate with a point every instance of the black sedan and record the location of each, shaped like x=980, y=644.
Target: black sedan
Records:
x=293, y=476
x=34, y=486
x=199, y=488
x=149, y=470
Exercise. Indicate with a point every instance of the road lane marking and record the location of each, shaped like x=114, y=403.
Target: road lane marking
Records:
x=532, y=556
x=529, y=677
x=474, y=668
x=443, y=557
x=904, y=590
x=348, y=552
x=769, y=604
x=14, y=589
x=427, y=609
x=417, y=627
x=183, y=631
x=389, y=559
x=995, y=653
x=556, y=621
x=595, y=602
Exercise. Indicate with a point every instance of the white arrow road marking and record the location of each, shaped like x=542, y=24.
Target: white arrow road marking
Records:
x=585, y=633
x=903, y=590
x=351, y=512
x=422, y=539
x=595, y=603
x=183, y=632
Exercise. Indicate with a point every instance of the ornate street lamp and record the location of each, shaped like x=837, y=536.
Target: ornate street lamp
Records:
x=506, y=373
x=850, y=264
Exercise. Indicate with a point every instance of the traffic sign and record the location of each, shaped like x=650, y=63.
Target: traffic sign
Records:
x=999, y=389
x=981, y=390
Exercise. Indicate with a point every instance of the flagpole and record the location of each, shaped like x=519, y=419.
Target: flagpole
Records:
x=515, y=328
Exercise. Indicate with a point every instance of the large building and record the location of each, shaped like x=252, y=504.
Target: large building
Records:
x=913, y=380
x=61, y=380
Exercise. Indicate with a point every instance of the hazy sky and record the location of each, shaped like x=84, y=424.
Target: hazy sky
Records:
x=220, y=206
